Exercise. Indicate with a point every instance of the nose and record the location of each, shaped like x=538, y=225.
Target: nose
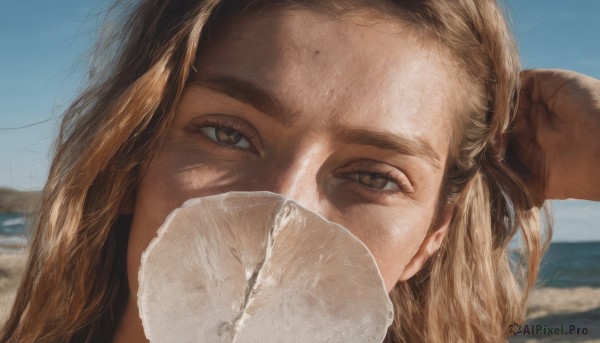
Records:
x=298, y=178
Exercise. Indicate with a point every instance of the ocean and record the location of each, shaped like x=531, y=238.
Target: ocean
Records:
x=13, y=232
x=565, y=265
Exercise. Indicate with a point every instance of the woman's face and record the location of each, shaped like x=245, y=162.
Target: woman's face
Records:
x=349, y=117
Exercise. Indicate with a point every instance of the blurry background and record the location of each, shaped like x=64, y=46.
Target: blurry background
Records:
x=42, y=66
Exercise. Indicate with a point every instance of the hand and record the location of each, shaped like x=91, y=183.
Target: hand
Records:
x=555, y=144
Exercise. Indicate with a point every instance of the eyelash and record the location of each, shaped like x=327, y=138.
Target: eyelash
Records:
x=249, y=134
x=221, y=123
x=403, y=188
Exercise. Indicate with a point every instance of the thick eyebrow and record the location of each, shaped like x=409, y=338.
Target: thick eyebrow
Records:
x=399, y=143
x=268, y=104
x=248, y=93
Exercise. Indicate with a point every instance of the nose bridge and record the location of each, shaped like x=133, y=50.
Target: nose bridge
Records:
x=297, y=179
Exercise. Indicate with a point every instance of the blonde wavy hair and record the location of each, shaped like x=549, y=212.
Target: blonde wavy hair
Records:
x=75, y=286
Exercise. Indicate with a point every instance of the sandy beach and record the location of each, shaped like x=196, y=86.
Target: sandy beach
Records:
x=553, y=307
x=549, y=307
x=11, y=269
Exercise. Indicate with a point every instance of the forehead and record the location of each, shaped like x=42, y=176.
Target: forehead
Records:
x=358, y=69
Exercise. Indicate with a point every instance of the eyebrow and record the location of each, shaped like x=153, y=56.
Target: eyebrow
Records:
x=248, y=93
x=267, y=103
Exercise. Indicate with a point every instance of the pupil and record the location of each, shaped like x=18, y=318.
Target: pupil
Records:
x=228, y=136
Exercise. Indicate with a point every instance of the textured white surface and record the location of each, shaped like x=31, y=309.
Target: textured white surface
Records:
x=257, y=267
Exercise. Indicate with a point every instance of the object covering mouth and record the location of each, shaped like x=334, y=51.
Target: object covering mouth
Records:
x=259, y=267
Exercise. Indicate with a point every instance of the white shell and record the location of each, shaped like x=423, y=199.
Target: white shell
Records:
x=258, y=267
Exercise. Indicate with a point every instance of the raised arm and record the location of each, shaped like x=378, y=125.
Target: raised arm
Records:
x=556, y=140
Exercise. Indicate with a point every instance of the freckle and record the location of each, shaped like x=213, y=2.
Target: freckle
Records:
x=317, y=52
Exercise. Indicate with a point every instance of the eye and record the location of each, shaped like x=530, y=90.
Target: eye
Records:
x=379, y=183
x=226, y=135
x=375, y=181
x=226, y=132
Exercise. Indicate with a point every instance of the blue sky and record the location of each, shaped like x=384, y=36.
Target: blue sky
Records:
x=41, y=66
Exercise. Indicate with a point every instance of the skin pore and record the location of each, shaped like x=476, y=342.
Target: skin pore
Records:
x=335, y=92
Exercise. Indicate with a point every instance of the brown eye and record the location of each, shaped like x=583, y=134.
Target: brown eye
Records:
x=227, y=136
x=373, y=180
x=378, y=183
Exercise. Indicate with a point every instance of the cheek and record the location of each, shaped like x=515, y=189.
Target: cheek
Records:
x=166, y=185
x=392, y=235
x=177, y=174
